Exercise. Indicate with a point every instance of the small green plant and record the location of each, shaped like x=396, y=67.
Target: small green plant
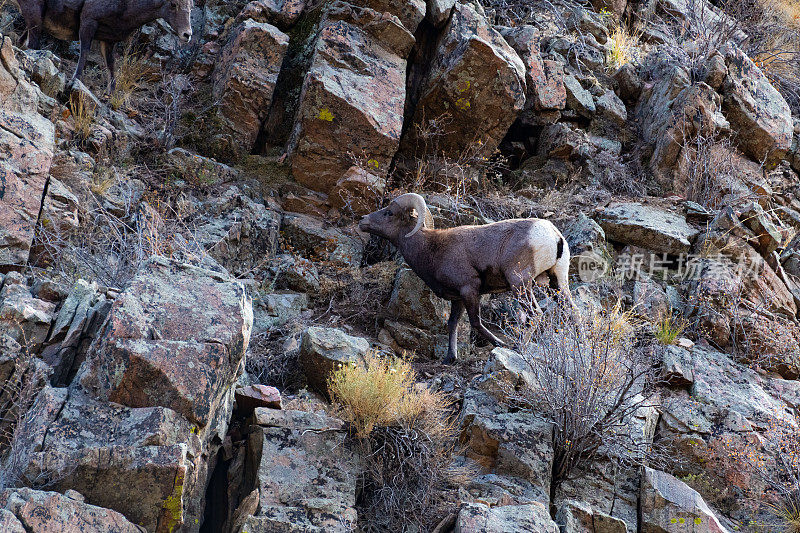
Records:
x=788, y=513
x=668, y=328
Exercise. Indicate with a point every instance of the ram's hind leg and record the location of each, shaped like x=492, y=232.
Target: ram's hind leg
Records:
x=472, y=301
x=456, y=310
x=559, y=281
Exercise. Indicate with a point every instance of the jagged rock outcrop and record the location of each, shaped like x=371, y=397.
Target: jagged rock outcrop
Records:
x=304, y=473
x=475, y=88
x=672, y=111
x=139, y=428
x=670, y=505
x=237, y=231
x=32, y=511
x=756, y=110
x=353, y=96
x=27, y=141
x=245, y=78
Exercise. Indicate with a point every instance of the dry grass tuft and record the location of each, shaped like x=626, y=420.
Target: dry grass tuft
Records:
x=83, y=113
x=132, y=69
x=623, y=47
x=405, y=434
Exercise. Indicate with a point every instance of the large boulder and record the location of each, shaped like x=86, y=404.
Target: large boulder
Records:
x=544, y=78
x=672, y=111
x=146, y=463
x=650, y=227
x=756, y=110
x=476, y=80
x=139, y=428
x=323, y=350
x=353, y=97
x=507, y=443
x=304, y=473
x=27, y=142
x=529, y=518
x=668, y=504
x=245, y=79
x=42, y=512
x=159, y=348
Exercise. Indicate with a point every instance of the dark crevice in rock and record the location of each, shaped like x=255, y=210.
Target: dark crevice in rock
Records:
x=277, y=129
x=229, y=482
x=419, y=63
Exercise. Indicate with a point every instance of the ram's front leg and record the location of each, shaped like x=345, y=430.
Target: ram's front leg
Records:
x=472, y=301
x=86, y=34
x=456, y=310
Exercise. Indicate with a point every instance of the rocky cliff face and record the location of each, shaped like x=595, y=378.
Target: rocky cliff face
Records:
x=181, y=269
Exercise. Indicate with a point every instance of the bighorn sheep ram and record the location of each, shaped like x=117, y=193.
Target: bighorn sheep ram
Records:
x=108, y=21
x=459, y=264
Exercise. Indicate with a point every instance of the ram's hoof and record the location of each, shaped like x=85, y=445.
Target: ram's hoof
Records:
x=449, y=360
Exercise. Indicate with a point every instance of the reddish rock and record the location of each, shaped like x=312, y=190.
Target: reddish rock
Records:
x=358, y=192
x=476, y=80
x=34, y=511
x=27, y=143
x=248, y=398
x=544, y=78
x=159, y=348
x=756, y=110
x=245, y=78
x=353, y=97
x=282, y=13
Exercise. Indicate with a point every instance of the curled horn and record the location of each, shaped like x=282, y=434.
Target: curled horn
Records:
x=417, y=202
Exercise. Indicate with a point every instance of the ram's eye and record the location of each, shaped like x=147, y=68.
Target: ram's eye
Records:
x=387, y=214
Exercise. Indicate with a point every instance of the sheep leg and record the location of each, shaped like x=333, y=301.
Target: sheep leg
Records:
x=86, y=34
x=472, y=301
x=559, y=280
x=456, y=310
x=107, y=51
x=33, y=13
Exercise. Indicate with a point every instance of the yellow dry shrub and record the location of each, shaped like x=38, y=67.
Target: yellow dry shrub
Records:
x=623, y=47
x=372, y=393
x=131, y=71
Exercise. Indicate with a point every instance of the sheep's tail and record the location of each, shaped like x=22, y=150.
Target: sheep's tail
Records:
x=560, y=248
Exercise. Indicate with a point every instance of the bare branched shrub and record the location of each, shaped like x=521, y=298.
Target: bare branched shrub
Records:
x=709, y=169
x=694, y=34
x=405, y=435
x=618, y=177
x=23, y=377
x=771, y=37
x=109, y=246
x=590, y=377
